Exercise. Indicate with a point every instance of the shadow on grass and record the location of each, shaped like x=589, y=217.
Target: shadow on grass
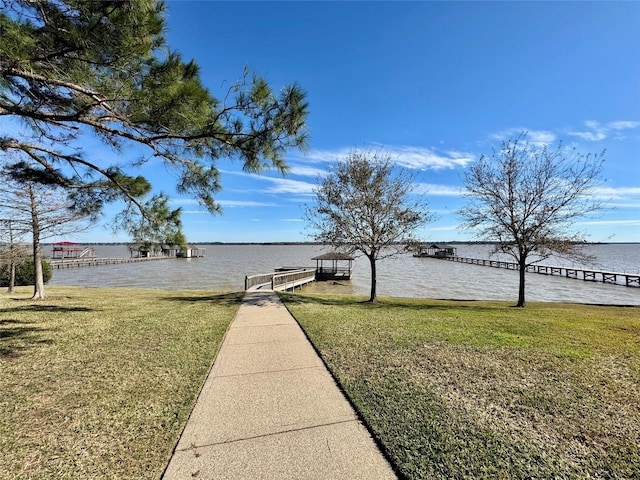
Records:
x=610, y=305
x=412, y=304
x=228, y=299
x=46, y=308
x=17, y=336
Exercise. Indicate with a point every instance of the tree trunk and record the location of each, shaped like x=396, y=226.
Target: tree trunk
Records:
x=12, y=262
x=373, y=297
x=38, y=287
x=12, y=277
x=38, y=281
x=522, y=266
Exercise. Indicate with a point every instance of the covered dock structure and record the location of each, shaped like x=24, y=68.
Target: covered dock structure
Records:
x=149, y=250
x=333, y=266
x=329, y=266
x=71, y=250
x=436, y=250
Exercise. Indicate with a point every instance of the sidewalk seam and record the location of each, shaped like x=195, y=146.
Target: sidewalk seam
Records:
x=271, y=342
x=262, y=372
x=254, y=325
x=354, y=419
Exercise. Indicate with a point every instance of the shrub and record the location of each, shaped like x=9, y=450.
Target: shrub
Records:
x=24, y=273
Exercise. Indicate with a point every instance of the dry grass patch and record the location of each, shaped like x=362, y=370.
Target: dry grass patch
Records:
x=482, y=390
x=97, y=383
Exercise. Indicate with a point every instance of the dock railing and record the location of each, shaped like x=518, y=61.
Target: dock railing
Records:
x=280, y=280
x=252, y=281
x=338, y=273
x=97, y=261
x=290, y=280
x=615, y=278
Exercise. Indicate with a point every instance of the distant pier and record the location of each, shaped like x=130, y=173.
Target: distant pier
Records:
x=614, y=278
x=95, y=261
x=73, y=255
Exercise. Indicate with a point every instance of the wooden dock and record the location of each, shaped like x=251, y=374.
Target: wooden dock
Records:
x=95, y=261
x=615, y=278
x=287, y=280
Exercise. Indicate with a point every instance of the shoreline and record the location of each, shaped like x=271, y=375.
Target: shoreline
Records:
x=453, y=242
x=225, y=267
x=381, y=298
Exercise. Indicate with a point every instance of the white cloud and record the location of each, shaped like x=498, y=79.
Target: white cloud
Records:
x=245, y=203
x=406, y=156
x=595, y=131
x=617, y=193
x=440, y=190
x=425, y=159
x=541, y=137
x=633, y=222
x=448, y=228
x=183, y=201
x=623, y=125
x=328, y=156
x=589, y=136
x=305, y=171
x=280, y=185
x=287, y=185
x=633, y=203
x=534, y=137
x=195, y=212
x=591, y=131
x=223, y=203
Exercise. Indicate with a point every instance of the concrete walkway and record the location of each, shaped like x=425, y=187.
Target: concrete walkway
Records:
x=270, y=410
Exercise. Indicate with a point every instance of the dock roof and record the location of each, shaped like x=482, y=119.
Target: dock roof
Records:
x=333, y=256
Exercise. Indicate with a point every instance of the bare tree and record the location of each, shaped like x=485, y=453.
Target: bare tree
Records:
x=527, y=199
x=365, y=205
x=12, y=252
x=46, y=212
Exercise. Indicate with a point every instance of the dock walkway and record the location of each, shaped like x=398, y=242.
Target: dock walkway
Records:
x=615, y=278
x=97, y=261
x=269, y=409
x=281, y=280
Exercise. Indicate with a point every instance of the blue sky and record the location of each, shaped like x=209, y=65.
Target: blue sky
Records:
x=434, y=84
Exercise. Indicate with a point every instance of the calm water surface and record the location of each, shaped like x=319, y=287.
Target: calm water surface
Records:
x=225, y=266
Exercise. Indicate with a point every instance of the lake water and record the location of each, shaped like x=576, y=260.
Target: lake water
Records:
x=225, y=266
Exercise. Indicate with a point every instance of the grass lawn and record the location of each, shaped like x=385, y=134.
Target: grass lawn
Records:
x=475, y=390
x=98, y=383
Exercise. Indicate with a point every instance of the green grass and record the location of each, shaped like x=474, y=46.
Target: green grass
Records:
x=98, y=383
x=474, y=390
